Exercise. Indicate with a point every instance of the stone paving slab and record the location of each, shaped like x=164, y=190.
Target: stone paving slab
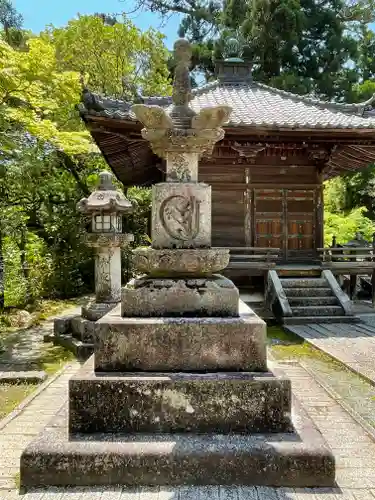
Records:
x=350, y=344
x=197, y=493
x=17, y=377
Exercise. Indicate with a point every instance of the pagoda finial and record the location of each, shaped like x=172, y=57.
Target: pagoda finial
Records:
x=106, y=181
x=181, y=83
x=233, y=49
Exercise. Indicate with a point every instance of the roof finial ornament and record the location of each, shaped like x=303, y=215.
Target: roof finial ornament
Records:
x=106, y=181
x=233, y=50
x=181, y=83
x=181, y=129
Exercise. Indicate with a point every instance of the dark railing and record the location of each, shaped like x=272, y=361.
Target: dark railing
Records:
x=354, y=258
x=252, y=257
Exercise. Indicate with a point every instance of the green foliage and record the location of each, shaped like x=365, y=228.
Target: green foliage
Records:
x=39, y=98
x=345, y=225
x=48, y=161
x=115, y=59
x=304, y=46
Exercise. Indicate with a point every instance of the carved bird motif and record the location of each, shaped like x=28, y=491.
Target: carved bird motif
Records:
x=152, y=117
x=211, y=118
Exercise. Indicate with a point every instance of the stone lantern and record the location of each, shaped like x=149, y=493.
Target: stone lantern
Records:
x=106, y=206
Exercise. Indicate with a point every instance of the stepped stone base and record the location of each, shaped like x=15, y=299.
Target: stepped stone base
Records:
x=211, y=296
x=82, y=350
x=164, y=402
x=181, y=344
x=75, y=333
x=298, y=459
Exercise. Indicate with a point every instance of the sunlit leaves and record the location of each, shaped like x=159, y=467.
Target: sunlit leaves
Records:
x=40, y=98
x=116, y=59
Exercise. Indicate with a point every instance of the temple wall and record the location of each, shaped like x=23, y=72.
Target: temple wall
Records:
x=265, y=205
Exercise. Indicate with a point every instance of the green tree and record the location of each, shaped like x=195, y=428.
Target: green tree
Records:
x=345, y=225
x=10, y=20
x=48, y=160
x=114, y=58
x=306, y=46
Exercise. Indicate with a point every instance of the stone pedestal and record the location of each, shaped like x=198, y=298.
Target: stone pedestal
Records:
x=225, y=402
x=180, y=344
x=201, y=297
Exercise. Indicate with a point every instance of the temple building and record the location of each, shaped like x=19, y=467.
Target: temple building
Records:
x=266, y=174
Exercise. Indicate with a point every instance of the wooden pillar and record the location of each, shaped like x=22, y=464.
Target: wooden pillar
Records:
x=247, y=209
x=319, y=237
x=352, y=286
x=373, y=272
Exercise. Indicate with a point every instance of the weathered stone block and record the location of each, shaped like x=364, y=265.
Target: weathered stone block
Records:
x=22, y=377
x=96, y=310
x=62, y=325
x=83, y=328
x=214, y=296
x=186, y=262
x=181, y=402
x=181, y=215
x=295, y=459
x=108, y=275
x=180, y=344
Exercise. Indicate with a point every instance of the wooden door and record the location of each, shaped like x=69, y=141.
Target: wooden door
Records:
x=300, y=217
x=284, y=219
x=269, y=218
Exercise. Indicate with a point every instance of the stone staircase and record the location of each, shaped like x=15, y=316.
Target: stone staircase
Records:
x=74, y=333
x=301, y=299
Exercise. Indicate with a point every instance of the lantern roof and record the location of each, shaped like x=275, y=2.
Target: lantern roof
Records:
x=105, y=198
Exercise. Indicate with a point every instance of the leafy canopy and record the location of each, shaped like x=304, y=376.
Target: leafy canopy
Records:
x=114, y=58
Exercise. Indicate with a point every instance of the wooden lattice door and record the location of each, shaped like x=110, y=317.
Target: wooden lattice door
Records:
x=284, y=219
x=300, y=223
x=269, y=218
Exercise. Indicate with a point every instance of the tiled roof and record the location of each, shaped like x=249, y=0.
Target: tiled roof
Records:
x=254, y=105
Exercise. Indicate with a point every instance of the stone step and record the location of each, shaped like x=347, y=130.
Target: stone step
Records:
x=308, y=292
x=178, y=402
x=317, y=311
x=82, y=329
x=305, y=320
x=303, y=283
x=295, y=459
x=82, y=350
x=312, y=301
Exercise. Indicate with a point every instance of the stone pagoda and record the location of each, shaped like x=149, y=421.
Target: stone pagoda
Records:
x=178, y=391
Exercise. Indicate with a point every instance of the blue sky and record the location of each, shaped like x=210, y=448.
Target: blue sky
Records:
x=38, y=13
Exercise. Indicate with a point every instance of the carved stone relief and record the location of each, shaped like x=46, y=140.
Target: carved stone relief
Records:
x=182, y=167
x=179, y=216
